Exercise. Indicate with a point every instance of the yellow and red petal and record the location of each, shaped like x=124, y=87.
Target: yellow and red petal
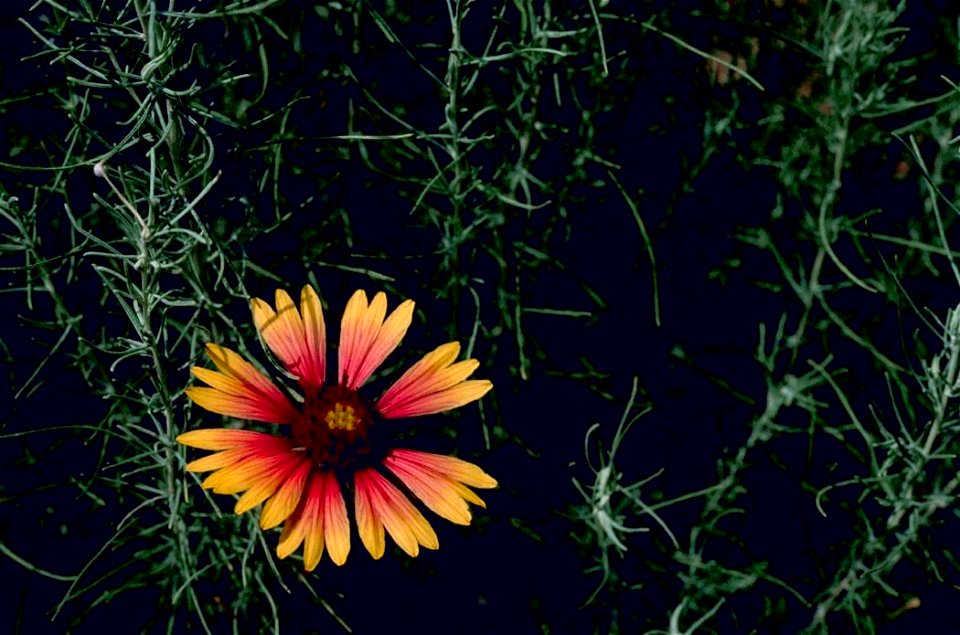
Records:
x=315, y=334
x=432, y=385
x=380, y=505
x=448, y=385
x=239, y=390
x=263, y=466
x=336, y=525
x=447, y=466
x=438, y=493
x=292, y=535
x=320, y=520
x=366, y=338
x=233, y=365
x=386, y=341
x=313, y=542
x=440, y=481
x=224, y=438
x=255, y=409
x=270, y=480
x=256, y=466
x=298, y=342
x=449, y=399
x=235, y=447
x=369, y=525
x=354, y=332
x=304, y=521
x=219, y=381
x=284, y=502
x=468, y=494
x=281, y=329
x=437, y=379
x=218, y=460
x=320, y=532
x=431, y=363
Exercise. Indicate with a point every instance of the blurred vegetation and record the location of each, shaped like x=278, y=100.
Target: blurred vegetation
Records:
x=539, y=177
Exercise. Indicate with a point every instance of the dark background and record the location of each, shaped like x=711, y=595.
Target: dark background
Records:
x=519, y=568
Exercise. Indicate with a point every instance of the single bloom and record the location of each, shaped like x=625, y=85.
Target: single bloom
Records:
x=338, y=443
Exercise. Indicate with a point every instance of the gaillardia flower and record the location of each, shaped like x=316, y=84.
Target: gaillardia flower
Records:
x=338, y=440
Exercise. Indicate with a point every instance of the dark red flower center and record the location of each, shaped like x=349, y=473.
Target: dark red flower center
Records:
x=334, y=427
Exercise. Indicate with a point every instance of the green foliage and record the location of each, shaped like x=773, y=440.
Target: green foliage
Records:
x=895, y=425
x=158, y=105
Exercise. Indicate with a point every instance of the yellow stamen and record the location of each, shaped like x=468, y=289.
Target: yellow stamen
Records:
x=341, y=418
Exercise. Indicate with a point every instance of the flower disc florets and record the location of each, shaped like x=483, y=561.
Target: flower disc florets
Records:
x=335, y=426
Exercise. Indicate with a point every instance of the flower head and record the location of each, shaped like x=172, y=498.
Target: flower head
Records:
x=338, y=440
